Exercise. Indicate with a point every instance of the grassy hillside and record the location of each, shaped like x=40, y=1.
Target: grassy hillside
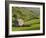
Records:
x=30, y=17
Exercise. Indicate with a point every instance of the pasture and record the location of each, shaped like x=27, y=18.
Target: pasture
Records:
x=30, y=17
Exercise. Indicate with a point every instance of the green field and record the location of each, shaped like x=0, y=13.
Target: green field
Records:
x=30, y=16
x=30, y=25
x=33, y=27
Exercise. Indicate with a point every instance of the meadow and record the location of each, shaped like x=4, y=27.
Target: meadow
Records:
x=30, y=16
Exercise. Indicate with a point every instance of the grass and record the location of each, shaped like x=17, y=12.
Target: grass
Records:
x=30, y=17
x=32, y=27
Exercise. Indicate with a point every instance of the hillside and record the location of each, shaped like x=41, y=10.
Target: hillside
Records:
x=30, y=16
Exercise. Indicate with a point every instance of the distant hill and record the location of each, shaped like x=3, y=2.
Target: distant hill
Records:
x=34, y=10
x=26, y=13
